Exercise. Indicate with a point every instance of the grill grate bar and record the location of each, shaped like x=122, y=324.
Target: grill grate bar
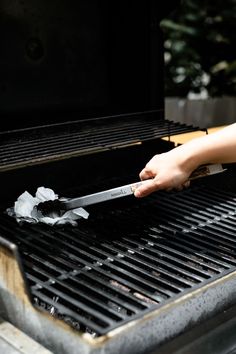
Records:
x=125, y=129
x=92, y=308
x=198, y=205
x=111, y=251
x=138, y=273
x=192, y=206
x=153, y=253
x=84, y=138
x=106, y=131
x=226, y=224
x=196, y=249
x=135, y=285
x=208, y=248
x=221, y=196
x=132, y=273
x=176, y=219
x=199, y=264
x=83, y=287
x=211, y=260
x=195, y=211
x=220, y=233
x=210, y=240
x=64, y=310
x=206, y=200
x=86, y=297
x=113, y=267
x=221, y=207
x=119, y=296
x=152, y=263
x=41, y=150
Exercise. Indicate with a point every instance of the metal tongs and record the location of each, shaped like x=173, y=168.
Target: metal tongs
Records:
x=64, y=204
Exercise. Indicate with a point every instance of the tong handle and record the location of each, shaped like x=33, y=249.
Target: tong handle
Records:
x=129, y=189
x=99, y=197
x=206, y=170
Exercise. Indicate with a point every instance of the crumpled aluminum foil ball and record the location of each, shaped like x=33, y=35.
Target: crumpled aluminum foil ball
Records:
x=25, y=209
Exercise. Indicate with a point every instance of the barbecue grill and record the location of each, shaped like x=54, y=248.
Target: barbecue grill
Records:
x=138, y=273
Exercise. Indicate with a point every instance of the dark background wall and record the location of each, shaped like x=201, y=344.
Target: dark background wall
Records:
x=200, y=48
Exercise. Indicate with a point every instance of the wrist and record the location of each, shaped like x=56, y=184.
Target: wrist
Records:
x=190, y=156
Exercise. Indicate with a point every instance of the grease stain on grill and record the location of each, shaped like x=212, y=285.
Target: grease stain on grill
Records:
x=114, y=268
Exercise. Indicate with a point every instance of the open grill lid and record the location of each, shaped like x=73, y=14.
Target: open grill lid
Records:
x=79, y=59
x=80, y=79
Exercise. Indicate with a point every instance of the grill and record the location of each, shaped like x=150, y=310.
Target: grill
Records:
x=138, y=273
x=113, y=269
x=129, y=261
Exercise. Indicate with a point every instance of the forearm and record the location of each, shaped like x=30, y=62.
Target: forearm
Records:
x=219, y=147
x=172, y=169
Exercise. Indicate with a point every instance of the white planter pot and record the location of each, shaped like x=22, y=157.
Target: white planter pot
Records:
x=204, y=113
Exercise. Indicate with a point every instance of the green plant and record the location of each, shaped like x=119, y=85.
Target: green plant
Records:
x=200, y=48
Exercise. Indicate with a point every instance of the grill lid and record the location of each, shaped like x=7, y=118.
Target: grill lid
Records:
x=66, y=59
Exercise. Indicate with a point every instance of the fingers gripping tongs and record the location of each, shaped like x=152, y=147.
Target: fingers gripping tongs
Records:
x=118, y=192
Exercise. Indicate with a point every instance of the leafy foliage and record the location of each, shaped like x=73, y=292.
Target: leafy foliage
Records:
x=200, y=48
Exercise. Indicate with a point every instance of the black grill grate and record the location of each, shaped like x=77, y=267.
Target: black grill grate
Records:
x=38, y=145
x=129, y=259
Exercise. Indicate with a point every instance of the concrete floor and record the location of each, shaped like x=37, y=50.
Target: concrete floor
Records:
x=13, y=341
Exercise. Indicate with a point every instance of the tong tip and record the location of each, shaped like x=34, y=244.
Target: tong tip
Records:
x=48, y=207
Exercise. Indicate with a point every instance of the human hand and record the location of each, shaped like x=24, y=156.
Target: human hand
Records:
x=164, y=171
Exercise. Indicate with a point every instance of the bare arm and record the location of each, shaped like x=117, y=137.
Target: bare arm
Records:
x=172, y=169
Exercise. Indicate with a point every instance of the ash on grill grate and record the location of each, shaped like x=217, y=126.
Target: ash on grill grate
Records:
x=115, y=267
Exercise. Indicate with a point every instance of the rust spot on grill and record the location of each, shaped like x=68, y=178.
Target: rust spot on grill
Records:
x=10, y=276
